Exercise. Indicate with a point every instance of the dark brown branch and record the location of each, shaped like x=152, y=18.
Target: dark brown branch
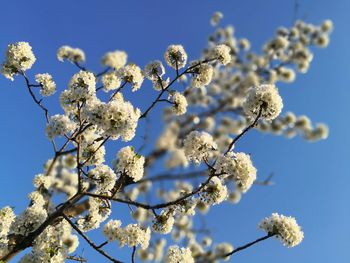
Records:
x=117, y=91
x=171, y=83
x=38, y=102
x=158, y=206
x=78, y=259
x=133, y=254
x=92, y=244
x=252, y=125
x=247, y=245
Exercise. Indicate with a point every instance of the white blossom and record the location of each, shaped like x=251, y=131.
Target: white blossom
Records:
x=71, y=54
x=117, y=118
x=178, y=255
x=222, y=53
x=82, y=86
x=154, y=70
x=164, y=222
x=59, y=125
x=285, y=228
x=264, y=98
x=202, y=74
x=48, y=86
x=180, y=103
x=104, y=178
x=175, y=56
x=214, y=192
x=131, y=74
x=115, y=59
x=19, y=57
x=110, y=81
x=132, y=235
x=198, y=145
x=130, y=163
x=240, y=167
x=216, y=17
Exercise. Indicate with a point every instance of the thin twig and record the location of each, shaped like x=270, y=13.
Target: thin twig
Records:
x=247, y=245
x=92, y=244
x=133, y=254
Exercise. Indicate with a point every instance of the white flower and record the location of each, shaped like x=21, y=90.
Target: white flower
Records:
x=240, y=167
x=82, y=86
x=222, y=249
x=175, y=56
x=157, y=85
x=112, y=230
x=286, y=229
x=19, y=57
x=178, y=255
x=198, y=145
x=202, y=74
x=36, y=198
x=222, y=53
x=115, y=59
x=265, y=98
x=104, y=178
x=29, y=220
x=131, y=74
x=132, y=235
x=180, y=104
x=59, y=125
x=117, y=118
x=71, y=54
x=99, y=210
x=7, y=217
x=327, y=26
x=163, y=223
x=154, y=70
x=48, y=86
x=130, y=162
x=214, y=192
x=215, y=19
x=110, y=81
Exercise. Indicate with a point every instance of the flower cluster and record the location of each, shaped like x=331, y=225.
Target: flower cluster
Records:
x=238, y=166
x=198, y=145
x=117, y=118
x=175, y=56
x=164, y=222
x=59, y=125
x=104, y=178
x=130, y=163
x=71, y=54
x=53, y=245
x=180, y=104
x=132, y=235
x=81, y=87
x=285, y=228
x=131, y=74
x=214, y=192
x=154, y=70
x=115, y=59
x=98, y=211
x=110, y=81
x=48, y=86
x=264, y=98
x=202, y=74
x=19, y=58
x=176, y=255
x=222, y=53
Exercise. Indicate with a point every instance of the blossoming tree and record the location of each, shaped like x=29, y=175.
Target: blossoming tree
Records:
x=212, y=102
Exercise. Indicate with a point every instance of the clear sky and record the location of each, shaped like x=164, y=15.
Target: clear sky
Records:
x=312, y=179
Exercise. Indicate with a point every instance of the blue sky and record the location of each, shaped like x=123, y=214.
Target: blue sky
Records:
x=312, y=179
